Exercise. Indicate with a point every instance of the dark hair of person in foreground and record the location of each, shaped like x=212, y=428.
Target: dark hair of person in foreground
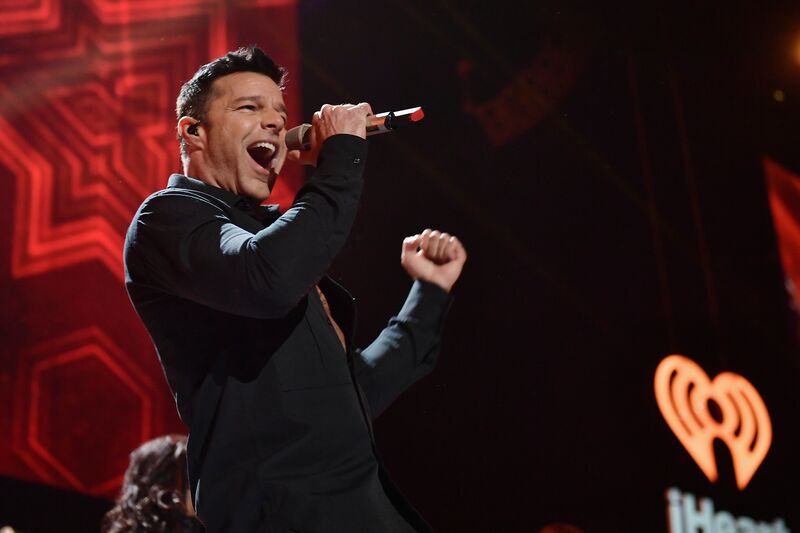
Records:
x=154, y=496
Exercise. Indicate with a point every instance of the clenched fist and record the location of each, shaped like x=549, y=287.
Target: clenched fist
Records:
x=433, y=256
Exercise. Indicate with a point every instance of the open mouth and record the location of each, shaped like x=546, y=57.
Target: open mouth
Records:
x=262, y=153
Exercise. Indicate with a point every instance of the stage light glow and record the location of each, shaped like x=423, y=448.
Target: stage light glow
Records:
x=796, y=50
x=778, y=95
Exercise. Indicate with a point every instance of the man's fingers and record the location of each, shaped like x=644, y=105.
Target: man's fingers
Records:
x=453, y=248
x=365, y=108
x=411, y=244
x=302, y=158
x=458, y=249
x=424, y=237
x=328, y=111
x=434, y=256
x=439, y=247
x=444, y=247
x=436, y=245
x=434, y=242
x=343, y=118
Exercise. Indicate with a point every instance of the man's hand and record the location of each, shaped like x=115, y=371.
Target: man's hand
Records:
x=433, y=256
x=331, y=120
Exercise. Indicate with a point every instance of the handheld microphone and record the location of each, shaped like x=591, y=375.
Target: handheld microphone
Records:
x=299, y=137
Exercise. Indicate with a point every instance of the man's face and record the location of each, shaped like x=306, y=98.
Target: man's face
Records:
x=245, y=129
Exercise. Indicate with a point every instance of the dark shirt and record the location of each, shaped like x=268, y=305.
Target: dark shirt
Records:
x=279, y=413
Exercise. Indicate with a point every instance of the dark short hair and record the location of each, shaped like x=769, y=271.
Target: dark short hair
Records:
x=195, y=93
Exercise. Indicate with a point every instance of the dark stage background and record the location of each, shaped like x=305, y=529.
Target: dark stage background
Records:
x=606, y=167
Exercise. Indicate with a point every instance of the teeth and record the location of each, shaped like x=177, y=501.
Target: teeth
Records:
x=265, y=145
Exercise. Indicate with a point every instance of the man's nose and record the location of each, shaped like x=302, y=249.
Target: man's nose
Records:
x=272, y=121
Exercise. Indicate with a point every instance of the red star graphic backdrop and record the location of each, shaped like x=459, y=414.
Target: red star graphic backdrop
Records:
x=87, y=130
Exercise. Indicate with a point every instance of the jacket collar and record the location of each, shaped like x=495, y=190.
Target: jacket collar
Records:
x=267, y=214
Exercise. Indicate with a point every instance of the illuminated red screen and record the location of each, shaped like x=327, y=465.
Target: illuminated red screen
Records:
x=87, y=130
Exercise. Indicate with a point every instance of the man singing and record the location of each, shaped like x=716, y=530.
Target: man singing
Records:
x=254, y=339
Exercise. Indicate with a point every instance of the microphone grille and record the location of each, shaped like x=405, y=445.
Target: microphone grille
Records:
x=297, y=137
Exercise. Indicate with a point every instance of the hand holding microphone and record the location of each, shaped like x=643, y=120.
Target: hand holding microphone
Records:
x=304, y=141
x=328, y=121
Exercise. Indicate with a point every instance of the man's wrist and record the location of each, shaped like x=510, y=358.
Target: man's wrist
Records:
x=426, y=302
x=342, y=153
x=446, y=287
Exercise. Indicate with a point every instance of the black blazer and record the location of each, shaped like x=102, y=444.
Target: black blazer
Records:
x=279, y=413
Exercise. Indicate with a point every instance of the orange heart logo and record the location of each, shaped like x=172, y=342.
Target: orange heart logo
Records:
x=684, y=394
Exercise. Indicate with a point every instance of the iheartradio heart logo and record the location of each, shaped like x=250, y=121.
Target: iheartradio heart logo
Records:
x=686, y=397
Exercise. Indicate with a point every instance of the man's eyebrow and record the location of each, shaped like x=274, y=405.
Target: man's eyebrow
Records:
x=243, y=98
x=260, y=99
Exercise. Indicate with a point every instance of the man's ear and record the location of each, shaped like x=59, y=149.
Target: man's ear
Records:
x=191, y=131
